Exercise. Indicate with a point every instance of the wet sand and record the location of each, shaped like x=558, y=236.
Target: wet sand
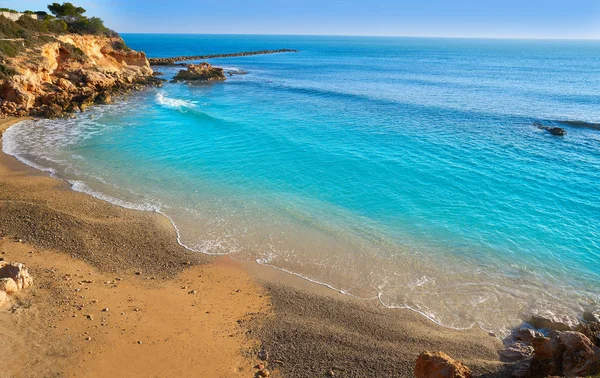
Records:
x=176, y=313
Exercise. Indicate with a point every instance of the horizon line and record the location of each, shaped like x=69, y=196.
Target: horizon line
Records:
x=380, y=36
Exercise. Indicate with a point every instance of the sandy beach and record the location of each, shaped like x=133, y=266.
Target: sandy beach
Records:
x=115, y=295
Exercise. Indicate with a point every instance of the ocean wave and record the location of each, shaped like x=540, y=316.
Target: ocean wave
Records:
x=174, y=103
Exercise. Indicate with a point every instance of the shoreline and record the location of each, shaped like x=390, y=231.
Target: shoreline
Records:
x=260, y=269
x=296, y=301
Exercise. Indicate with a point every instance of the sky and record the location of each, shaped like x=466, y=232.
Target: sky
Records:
x=574, y=19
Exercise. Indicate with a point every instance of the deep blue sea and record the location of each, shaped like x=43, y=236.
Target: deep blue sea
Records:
x=404, y=169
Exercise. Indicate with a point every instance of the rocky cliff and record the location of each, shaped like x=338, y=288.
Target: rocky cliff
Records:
x=67, y=72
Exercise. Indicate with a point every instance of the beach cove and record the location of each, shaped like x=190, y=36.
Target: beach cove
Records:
x=337, y=207
x=106, y=245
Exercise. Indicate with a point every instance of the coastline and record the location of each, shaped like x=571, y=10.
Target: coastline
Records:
x=310, y=328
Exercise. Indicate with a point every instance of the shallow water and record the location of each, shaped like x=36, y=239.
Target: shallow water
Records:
x=400, y=168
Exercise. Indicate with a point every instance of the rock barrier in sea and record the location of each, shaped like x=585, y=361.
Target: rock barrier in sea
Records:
x=173, y=60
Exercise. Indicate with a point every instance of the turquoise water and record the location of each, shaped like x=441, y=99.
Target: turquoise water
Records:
x=399, y=168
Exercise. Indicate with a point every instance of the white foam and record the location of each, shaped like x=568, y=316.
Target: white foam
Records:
x=174, y=103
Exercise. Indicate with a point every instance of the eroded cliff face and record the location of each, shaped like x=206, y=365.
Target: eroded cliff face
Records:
x=69, y=74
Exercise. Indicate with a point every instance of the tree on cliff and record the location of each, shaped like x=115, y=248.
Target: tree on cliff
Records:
x=77, y=22
x=66, y=10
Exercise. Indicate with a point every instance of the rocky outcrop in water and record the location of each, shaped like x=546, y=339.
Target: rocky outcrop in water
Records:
x=68, y=73
x=174, y=60
x=558, y=131
x=440, y=365
x=200, y=72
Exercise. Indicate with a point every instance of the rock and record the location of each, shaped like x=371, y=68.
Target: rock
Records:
x=581, y=357
x=104, y=98
x=264, y=373
x=554, y=323
x=440, y=365
x=263, y=355
x=522, y=368
x=8, y=286
x=65, y=85
x=516, y=352
x=18, y=272
x=559, y=131
x=592, y=331
x=71, y=72
x=566, y=353
x=591, y=316
x=526, y=335
x=200, y=72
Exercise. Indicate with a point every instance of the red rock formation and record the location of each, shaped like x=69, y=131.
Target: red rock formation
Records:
x=69, y=74
x=200, y=72
x=440, y=365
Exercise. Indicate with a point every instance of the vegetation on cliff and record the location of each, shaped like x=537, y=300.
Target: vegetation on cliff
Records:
x=37, y=28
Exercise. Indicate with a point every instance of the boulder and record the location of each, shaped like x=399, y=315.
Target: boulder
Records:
x=526, y=335
x=592, y=331
x=440, y=365
x=104, y=98
x=553, y=322
x=17, y=272
x=591, y=316
x=8, y=286
x=65, y=85
x=200, y=72
x=566, y=353
x=580, y=356
x=516, y=352
x=559, y=131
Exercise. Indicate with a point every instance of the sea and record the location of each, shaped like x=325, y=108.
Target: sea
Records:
x=410, y=171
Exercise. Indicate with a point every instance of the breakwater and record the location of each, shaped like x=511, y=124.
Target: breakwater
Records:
x=174, y=60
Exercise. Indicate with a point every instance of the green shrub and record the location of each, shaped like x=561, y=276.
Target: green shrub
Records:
x=8, y=28
x=6, y=71
x=10, y=48
x=92, y=25
x=74, y=52
x=32, y=24
x=120, y=46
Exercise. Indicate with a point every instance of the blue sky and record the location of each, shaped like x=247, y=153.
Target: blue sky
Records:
x=442, y=18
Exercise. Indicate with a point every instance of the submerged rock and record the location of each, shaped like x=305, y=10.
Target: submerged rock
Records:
x=553, y=322
x=200, y=72
x=440, y=365
x=558, y=131
x=591, y=316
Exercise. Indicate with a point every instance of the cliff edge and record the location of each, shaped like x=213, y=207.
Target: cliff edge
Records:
x=51, y=72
